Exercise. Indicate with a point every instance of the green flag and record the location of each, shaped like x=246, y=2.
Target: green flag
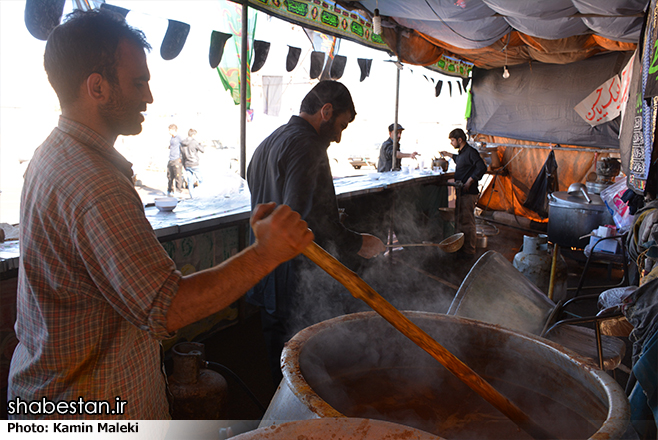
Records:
x=229, y=66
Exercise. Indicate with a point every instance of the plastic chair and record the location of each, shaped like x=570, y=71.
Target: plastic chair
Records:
x=494, y=291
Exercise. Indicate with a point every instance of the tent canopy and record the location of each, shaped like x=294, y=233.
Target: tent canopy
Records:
x=494, y=33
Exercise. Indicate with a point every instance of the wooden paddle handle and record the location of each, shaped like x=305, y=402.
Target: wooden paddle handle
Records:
x=361, y=290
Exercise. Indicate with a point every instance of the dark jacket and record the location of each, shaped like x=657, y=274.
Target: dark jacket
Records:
x=469, y=164
x=291, y=167
x=190, y=149
x=385, y=162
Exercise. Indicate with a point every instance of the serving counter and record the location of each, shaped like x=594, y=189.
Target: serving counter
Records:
x=201, y=233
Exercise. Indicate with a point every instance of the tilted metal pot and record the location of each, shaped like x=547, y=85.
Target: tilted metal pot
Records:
x=572, y=216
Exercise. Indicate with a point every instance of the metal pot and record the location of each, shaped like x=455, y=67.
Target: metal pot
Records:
x=359, y=366
x=337, y=428
x=481, y=241
x=571, y=216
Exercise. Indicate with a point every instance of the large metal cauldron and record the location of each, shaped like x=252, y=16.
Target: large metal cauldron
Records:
x=360, y=366
x=571, y=217
x=342, y=428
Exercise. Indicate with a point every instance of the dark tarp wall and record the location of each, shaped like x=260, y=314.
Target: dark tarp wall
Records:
x=536, y=103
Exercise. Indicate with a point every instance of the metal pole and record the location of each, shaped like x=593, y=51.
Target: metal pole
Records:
x=243, y=88
x=396, y=146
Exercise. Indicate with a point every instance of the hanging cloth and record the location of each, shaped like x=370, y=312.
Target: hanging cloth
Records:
x=292, y=58
x=364, y=65
x=261, y=50
x=545, y=183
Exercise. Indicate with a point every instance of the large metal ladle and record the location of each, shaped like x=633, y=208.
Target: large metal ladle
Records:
x=361, y=290
x=576, y=189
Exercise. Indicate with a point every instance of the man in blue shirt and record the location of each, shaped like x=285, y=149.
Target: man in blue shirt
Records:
x=469, y=170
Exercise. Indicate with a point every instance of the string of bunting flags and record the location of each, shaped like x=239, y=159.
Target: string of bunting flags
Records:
x=41, y=16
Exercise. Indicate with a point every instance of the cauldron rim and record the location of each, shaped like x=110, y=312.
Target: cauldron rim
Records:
x=294, y=379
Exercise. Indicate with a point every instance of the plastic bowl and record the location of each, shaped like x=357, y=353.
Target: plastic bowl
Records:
x=166, y=203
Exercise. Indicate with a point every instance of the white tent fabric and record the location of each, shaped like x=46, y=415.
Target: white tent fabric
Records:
x=472, y=24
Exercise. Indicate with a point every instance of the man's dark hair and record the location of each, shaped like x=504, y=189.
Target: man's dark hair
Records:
x=457, y=133
x=86, y=43
x=328, y=92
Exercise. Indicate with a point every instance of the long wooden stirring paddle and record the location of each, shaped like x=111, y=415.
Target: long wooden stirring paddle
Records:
x=361, y=290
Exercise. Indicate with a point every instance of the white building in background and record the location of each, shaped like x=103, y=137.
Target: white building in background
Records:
x=188, y=92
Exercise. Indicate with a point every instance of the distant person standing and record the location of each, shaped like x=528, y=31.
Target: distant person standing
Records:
x=174, y=166
x=190, y=150
x=386, y=162
x=469, y=169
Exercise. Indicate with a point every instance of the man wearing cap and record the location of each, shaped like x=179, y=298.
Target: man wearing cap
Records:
x=386, y=152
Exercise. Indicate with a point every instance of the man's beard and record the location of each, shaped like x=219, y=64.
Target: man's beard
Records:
x=328, y=130
x=119, y=115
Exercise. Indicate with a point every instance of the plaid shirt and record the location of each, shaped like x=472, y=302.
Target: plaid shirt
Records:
x=94, y=282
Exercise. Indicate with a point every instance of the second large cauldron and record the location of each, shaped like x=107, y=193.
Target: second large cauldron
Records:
x=360, y=366
x=571, y=217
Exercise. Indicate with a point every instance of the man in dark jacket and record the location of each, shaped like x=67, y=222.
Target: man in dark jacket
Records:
x=190, y=149
x=291, y=167
x=469, y=170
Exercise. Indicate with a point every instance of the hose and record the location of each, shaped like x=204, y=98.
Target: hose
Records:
x=225, y=370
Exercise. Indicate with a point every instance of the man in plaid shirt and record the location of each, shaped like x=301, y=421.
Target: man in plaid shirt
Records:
x=97, y=292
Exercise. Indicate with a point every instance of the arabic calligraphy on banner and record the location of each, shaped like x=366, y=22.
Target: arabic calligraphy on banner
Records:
x=330, y=18
x=606, y=102
x=646, y=109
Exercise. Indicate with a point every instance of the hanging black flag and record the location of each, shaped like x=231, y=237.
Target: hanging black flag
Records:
x=459, y=85
x=174, y=39
x=338, y=66
x=116, y=9
x=293, y=58
x=364, y=65
x=651, y=88
x=317, y=62
x=465, y=82
x=261, y=50
x=217, y=43
x=450, y=88
x=41, y=16
x=437, y=89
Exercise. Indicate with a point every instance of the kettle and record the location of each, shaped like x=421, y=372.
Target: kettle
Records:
x=440, y=162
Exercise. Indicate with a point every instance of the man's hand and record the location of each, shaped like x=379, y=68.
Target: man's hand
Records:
x=280, y=232
x=371, y=246
x=414, y=154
